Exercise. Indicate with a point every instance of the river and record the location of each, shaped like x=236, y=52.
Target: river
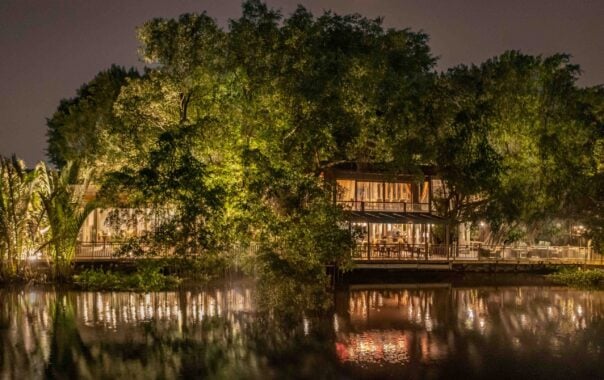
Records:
x=415, y=331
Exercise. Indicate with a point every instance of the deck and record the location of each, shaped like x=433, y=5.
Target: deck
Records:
x=424, y=257
x=475, y=257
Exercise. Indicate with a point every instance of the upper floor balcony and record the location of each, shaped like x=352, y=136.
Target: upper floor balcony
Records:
x=375, y=194
x=400, y=206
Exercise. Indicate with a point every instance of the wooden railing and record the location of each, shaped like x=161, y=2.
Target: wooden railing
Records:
x=363, y=252
x=99, y=251
x=402, y=251
x=385, y=206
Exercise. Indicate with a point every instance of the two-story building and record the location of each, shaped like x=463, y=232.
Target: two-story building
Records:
x=389, y=215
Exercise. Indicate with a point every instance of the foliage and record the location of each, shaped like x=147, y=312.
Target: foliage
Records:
x=174, y=179
x=20, y=216
x=146, y=278
x=517, y=141
x=65, y=209
x=84, y=128
x=41, y=211
x=244, y=122
x=577, y=277
x=590, y=207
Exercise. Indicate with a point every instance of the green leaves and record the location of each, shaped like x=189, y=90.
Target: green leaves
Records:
x=514, y=132
x=41, y=210
x=20, y=216
x=84, y=128
x=65, y=209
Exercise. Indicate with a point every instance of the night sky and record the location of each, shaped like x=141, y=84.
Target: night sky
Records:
x=49, y=48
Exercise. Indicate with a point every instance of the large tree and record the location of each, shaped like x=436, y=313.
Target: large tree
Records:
x=272, y=102
x=516, y=141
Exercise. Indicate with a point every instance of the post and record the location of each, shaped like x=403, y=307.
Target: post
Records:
x=426, y=234
x=447, y=240
x=352, y=251
x=368, y=241
x=429, y=195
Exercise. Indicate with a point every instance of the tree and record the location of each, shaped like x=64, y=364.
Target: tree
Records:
x=529, y=150
x=266, y=106
x=589, y=206
x=20, y=216
x=175, y=184
x=84, y=128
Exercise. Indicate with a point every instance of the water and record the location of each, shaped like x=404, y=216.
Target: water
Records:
x=229, y=332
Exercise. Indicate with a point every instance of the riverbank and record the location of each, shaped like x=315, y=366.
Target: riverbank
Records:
x=164, y=275
x=139, y=276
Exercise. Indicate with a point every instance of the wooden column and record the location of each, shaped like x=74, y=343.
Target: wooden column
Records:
x=447, y=239
x=368, y=241
x=426, y=236
x=429, y=195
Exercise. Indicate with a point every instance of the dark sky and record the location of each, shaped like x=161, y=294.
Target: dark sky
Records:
x=51, y=47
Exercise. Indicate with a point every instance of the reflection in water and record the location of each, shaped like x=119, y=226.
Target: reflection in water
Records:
x=411, y=331
x=476, y=330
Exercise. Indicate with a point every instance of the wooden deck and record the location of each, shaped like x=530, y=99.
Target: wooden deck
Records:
x=414, y=258
x=469, y=265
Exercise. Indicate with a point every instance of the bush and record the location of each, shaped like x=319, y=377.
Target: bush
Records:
x=582, y=278
x=200, y=269
x=148, y=277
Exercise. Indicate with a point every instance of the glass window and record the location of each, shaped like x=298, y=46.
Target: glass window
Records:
x=370, y=191
x=425, y=193
x=345, y=190
x=398, y=192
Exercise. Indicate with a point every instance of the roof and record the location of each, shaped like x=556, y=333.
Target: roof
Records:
x=377, y=173
x=395, y=217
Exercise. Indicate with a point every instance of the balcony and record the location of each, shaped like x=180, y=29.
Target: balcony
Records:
x=385, y=206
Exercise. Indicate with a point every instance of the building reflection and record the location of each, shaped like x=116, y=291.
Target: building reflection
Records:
x=431, y=323
x=116, y=309
x=92, y=332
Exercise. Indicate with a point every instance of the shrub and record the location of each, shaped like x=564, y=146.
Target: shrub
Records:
x=148, y=277
x=583, y=278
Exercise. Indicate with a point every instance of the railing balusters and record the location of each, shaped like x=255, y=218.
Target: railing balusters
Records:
x=400, y=206
x=481, y=252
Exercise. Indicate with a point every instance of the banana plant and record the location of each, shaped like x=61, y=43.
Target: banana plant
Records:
x=20, y=215
x=62, y=196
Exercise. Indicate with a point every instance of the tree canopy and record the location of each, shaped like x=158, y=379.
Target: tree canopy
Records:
x=85, y=128
x=518, y=139
x=234, y=126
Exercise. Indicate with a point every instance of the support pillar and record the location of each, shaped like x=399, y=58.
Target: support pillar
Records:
x=447, y=240
x=426, y=235
x=368, y=241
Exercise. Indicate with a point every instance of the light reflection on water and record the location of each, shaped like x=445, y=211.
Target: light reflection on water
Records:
x=384, y=325
x=391, y=331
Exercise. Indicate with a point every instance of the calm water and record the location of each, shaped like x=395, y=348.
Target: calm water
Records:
x=407, y=331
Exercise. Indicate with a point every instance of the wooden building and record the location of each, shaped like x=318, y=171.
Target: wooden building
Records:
x=389, y=215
